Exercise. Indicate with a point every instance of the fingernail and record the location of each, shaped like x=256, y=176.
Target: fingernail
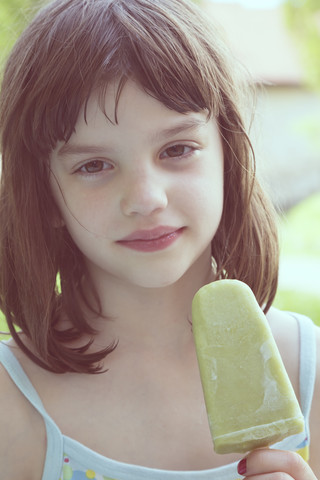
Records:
x=242, y=466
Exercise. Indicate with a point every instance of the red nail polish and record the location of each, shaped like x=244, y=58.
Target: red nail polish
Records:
x=242, y=466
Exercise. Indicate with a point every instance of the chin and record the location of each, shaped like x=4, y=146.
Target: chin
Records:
x=161, y=279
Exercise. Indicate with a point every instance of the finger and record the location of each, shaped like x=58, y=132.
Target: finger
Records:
x=270, y=476
x=267, y=461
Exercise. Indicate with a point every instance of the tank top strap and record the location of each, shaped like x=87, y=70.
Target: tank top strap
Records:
x=308, y=357
x=54, y=437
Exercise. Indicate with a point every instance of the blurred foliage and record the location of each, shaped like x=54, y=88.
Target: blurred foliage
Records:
x=14, y=16
x=3, y=328
x=303, y=18
x=294, y=301
x=299, y=237
x=299, y=229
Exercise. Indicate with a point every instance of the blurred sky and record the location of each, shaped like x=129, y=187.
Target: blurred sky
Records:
x=253, y=3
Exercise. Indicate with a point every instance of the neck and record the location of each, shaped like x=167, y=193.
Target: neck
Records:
x=151, y=318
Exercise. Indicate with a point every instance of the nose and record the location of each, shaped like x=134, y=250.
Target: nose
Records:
x=144, y=194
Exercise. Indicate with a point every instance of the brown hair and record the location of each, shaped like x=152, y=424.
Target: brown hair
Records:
x=71, y=48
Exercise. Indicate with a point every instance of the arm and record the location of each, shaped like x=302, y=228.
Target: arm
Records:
x=22, y=434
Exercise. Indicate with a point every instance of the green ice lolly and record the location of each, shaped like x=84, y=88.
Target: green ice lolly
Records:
x=249, y=398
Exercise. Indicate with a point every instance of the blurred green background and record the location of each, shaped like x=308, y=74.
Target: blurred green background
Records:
x=300, y=247
x=299, y=222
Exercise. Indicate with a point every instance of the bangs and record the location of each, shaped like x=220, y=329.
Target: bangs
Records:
x=158, y=52
x=87, y=44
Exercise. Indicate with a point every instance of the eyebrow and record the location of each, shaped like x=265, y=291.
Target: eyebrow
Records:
x=69, y=149
x=188, y=123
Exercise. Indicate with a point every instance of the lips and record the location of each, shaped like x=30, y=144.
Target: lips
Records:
x=151, y=240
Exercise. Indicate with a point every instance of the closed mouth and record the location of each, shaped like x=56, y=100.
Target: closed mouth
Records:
x=151, y=240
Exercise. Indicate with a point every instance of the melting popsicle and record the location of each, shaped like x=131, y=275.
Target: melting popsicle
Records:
x=249, y=398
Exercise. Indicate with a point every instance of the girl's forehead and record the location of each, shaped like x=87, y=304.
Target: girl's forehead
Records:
x=131, y=104
x=140, y=119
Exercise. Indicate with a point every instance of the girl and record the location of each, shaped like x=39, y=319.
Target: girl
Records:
x=128, y=183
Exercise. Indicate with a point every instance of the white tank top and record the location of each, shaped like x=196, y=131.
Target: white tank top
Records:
x=67, y=459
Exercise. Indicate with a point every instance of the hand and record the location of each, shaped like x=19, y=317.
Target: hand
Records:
x=269, y=464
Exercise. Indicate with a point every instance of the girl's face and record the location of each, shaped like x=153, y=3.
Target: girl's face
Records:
x=141, y=198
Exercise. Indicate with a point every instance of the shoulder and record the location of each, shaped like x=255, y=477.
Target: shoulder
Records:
x=22, y=434
x=284, y=326
x=285, y=330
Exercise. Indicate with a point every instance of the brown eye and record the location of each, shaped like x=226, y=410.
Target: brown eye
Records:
x=176, y=151
x=94, y=166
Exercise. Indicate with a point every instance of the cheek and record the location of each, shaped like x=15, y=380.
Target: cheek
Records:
x=203, y=191
x=210, y=206
x=77, y=209
x=207, y=201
